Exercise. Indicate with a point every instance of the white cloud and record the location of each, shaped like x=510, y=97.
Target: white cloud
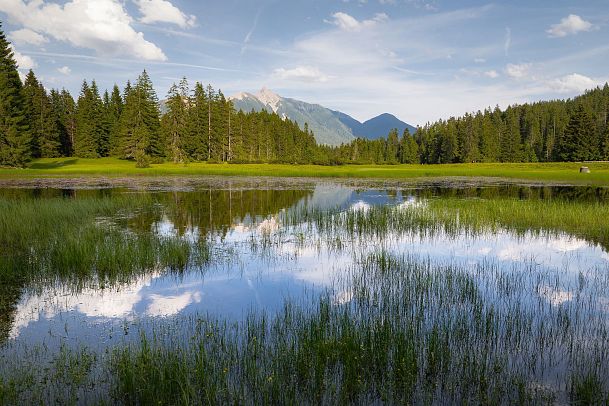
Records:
x=23, y=61
x=101, y=25
x=491, y=74
x=27, y=36
x=348, y=23
x=479, y=60
x=64, y=70
x=163, y=11
x=301, y=73
x=569, y=25
x=573, y=83
x=171, y=305
x=517, y=71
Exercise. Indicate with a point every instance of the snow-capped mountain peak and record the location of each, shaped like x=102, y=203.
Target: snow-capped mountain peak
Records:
x=269, y=98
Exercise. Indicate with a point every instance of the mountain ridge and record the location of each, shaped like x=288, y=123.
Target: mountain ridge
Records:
x=329, y=126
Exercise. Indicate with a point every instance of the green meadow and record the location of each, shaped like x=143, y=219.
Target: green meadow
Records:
x=112, y=167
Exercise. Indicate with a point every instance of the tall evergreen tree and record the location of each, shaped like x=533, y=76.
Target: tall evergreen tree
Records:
x=68, y=120
x=14, y=130
x=139, y=134
x=392, y=147
x=45, y=135
x=579, y=141
x=196, y=140
x=86, y=136
x=114, y=109
x=175, y=122
x=604, y=153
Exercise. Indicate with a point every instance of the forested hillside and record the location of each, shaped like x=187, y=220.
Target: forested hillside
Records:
x=572, y=130
x=202, y=125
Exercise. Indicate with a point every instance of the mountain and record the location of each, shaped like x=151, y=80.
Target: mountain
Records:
x=376, y=127
x=330, y=127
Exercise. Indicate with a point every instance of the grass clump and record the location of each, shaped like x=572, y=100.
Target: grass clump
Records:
x=87, y=238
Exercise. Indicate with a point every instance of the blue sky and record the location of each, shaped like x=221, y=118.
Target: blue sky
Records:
x=419, y=59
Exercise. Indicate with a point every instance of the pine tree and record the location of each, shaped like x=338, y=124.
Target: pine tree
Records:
x=14, y=130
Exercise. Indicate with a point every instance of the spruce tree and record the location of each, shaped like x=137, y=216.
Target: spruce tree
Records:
x=392, y=148
x=150, y=115
x=604, y=152
x=196, y=140
x=175, y=122
x=139, y=135
x=14, y=130
x=114, y=109
x=68, y=120
x=85, y=138
x=45, y=136
x=579, y=140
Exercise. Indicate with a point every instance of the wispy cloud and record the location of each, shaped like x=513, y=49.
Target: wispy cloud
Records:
x=507, y=42
x=248, y=36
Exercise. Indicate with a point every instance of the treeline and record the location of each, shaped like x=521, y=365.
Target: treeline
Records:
x=572, y=130
x=199, y=124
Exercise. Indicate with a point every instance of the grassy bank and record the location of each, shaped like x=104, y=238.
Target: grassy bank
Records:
x=548, y=172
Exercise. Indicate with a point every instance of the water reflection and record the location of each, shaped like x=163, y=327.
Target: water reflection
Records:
x=250, y=270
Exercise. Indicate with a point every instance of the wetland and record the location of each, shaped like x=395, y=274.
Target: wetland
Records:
x=265, y=290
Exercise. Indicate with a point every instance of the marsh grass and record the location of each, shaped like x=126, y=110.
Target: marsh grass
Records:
x=87, y=238
x=457, y=217
x=414, y=332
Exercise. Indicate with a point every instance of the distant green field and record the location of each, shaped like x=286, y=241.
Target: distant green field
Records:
x=550, y=172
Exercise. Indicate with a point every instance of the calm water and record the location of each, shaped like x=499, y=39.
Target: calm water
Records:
x=257, y=262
